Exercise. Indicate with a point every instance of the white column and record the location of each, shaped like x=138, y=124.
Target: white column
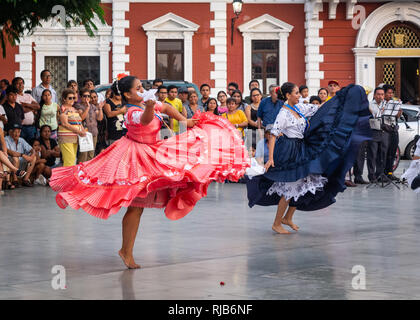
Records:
x=151, y=54
x=313, y=41
x=219, y=41
x=188, y=56
x=283, y=62
x=119, y=40
x=24, y=58
x=365, y=65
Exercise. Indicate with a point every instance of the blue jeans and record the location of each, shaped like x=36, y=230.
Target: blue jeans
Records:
x=28, y=133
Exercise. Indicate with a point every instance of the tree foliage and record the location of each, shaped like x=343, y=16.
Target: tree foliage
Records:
x=20, y=17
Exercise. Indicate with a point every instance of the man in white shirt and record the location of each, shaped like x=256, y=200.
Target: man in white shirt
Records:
x=46, y=78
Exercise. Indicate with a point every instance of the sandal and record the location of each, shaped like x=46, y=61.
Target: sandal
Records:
x=10, y=186
x=20, y=173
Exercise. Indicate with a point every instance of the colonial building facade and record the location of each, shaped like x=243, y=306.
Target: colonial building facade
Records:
x=303, y=41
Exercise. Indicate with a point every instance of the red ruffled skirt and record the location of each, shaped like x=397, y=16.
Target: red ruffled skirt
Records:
x=173, y=173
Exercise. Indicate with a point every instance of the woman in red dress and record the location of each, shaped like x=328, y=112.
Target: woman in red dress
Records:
x=142, y=171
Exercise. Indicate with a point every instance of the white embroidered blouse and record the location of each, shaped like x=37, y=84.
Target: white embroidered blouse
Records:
x=287, y=124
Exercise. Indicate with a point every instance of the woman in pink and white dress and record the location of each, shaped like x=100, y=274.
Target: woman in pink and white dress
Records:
x=142, y=171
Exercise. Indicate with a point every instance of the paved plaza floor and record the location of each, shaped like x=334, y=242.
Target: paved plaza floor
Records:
x=373, y=232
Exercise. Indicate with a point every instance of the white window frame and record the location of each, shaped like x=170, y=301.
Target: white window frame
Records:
x=170, y=26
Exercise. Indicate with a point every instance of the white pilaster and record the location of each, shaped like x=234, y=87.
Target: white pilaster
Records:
x=119, y=40
x=24, y=58
x=219, y=41
x=313, y=41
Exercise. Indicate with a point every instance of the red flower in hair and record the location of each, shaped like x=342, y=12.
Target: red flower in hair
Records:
x=121, y=75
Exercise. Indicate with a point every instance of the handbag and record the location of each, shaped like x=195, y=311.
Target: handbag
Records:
x=86, y=143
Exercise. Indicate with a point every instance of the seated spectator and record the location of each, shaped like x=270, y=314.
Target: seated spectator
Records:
x=41, y=172
x=13, y=109
x=304, y=92
x=315, y=100
x=50, y=150
x=212, y=106
x=3, y=117
x=6, y=166
x=21, y=155
x=261, y=153
x=235, y=116
x=193, y=105
x=222, y=97
x=90, y=116
x=48, y=113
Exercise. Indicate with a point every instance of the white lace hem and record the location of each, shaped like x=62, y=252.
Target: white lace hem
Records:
x=296, y=189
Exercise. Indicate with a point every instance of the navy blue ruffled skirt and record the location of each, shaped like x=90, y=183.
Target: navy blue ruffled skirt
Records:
x=329, y=148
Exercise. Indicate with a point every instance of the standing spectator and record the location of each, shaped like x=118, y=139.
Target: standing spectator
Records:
x=232, y=86
x=30, y=109
x=101, y=143
x=304, y=92
x=162, y=94
x=72, y=84
x=108, y=93
x=392, y=108
x=251, y=112
x=333, y=88
x=46, y=78
x=240, y=104
x=268, y=109
x=70, y=127
x=235, y=116
x=114, y=112
x=205, y=92
x=193, y=105
x=177, y=104
x=222, y=97
x=261, y=153
x=4, y=83
x=14, y=111
x=183, y=96
x=48, y=113
x=3, y=117
x=90, y=85
x=252, y=84
x=21, y=155
x=323, y=95
x=90, y=116
x=50, y=150
x=157, y=83
x=212, y=106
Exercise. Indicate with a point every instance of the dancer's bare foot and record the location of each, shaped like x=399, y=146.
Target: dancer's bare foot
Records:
x=280, y=229
x=128, y=261
x=290, y=224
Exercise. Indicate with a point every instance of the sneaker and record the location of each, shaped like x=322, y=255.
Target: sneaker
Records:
x=392, y=177
x=42, y=180
x=416, y=183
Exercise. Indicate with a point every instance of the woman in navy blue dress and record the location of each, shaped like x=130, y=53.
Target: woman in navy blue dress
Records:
x=308, y=160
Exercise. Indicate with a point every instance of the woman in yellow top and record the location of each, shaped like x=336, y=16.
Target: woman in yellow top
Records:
x=70, y=127
x=236, y=117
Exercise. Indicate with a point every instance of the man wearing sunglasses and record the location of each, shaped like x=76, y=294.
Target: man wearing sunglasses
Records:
x=90, y=115
x=46, y=78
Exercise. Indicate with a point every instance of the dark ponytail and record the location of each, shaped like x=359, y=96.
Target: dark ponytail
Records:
x=119, y=87
x=286, y=87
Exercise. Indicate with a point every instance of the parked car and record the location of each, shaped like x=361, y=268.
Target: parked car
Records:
x=409, y=128
x=147, y=84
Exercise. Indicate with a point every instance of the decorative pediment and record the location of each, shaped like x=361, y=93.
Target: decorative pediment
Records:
x=170, y=22
x=265, y=23
x=53, y=26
